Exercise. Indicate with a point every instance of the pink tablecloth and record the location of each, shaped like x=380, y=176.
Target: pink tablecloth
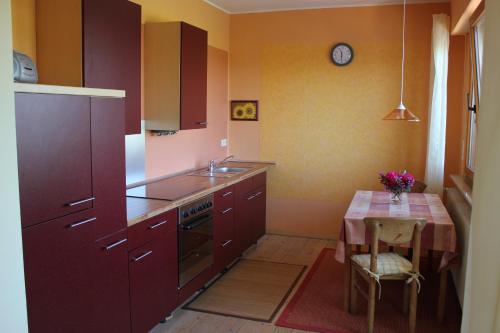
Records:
x=439, y=234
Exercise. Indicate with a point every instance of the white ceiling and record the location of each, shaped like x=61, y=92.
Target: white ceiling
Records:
x=254, y=6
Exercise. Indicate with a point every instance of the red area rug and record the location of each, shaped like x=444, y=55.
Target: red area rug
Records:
x=318, y=304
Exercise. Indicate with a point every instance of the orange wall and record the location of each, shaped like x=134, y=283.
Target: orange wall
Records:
x=456, y=117
x=23, y=27
x=321, y=123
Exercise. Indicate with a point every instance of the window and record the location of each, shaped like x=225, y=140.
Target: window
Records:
x=474, y=96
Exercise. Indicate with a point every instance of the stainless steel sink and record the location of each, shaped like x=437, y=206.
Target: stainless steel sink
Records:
x=221, y=172
x=229, y=170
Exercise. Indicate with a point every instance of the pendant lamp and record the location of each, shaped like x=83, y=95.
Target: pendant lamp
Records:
x=401, y=112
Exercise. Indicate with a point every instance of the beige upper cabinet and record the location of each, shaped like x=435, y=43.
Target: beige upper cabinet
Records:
x=175, y=76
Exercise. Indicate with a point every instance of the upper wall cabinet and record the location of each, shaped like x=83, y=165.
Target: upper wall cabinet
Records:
x=92, y=43
x=175, y=76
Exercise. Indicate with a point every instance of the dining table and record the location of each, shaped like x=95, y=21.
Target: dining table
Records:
x=439, y=234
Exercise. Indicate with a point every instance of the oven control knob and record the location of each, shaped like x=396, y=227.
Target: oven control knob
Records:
x=209, y=204
x=185, y=214
x=193, y=211
x=200, y=208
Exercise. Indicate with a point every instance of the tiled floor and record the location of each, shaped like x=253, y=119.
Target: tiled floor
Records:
x=291, y=250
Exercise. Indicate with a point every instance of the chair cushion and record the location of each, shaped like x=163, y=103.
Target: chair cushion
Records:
x=387, y=263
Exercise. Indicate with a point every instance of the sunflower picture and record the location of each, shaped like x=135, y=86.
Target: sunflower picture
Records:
x=244, y=110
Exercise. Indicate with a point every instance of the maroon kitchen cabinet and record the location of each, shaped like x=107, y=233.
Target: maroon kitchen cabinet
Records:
x=108, y=164
x=153, y=270
x=54, y=155
x=72, y=185
x=224, y=231
x=259, y=214
x=58, y=266
x=175, y=76
x=153, y=282
x=250, y=211
x=243, y=216
x=92, y=43
x=110, y=304
x=112, y=52
x=194, y=51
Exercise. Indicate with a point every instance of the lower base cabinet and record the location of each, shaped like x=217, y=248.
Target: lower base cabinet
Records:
x=111, y=310
x=59, y=271
x=153, y=281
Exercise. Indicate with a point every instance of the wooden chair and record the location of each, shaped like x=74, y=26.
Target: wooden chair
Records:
x=388, y=266
x=418, y=187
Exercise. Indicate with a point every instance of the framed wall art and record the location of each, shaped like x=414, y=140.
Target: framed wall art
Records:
x=245, y=110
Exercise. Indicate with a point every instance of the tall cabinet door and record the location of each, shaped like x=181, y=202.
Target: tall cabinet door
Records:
x=54, y=155
x=108, y=164
x=194, y=52
x=58, y=273
x=112, y=52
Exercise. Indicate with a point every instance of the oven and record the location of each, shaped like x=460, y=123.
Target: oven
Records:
x=195, y=239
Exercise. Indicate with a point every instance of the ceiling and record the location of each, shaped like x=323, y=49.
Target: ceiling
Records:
x=254, y=6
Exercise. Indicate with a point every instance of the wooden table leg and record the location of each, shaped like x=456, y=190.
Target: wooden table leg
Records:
x=347, y=277
x=443, y=285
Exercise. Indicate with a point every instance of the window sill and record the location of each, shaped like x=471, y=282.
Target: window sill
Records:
x=463, y=188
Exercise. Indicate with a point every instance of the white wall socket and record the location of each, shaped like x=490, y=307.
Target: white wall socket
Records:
x=223, y=142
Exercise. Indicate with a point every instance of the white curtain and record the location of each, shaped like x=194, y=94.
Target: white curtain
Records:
x=434, y=171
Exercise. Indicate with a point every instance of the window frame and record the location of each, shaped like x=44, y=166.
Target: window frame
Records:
x=473, y=94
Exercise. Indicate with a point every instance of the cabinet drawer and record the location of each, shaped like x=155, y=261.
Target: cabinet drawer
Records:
x=224, y=198
x=149, y=229
x=259, y=180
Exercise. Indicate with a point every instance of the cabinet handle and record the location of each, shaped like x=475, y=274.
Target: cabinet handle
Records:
x=202, y=123
x=226, y=243
x=225, y=211
x=109, y=247
x=76, y=203
x=226, y=194
x=257, y=194
x=77, y=224
x=142, y=256
x=157, y=224
x=251, y=197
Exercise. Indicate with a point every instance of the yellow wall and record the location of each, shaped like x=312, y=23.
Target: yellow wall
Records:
x=322, y=123
x=195, y=12
x=23, y=27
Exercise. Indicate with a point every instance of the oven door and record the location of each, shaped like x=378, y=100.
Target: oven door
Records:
x=195, y=238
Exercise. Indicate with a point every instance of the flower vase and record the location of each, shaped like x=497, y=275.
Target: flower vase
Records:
x=396, y=197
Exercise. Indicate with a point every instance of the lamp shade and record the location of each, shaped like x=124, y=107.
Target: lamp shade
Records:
x=401, y=113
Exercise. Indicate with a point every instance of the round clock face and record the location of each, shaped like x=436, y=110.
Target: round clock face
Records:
x=342, y=54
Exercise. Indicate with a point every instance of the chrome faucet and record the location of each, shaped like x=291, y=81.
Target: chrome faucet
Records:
x=212, y=163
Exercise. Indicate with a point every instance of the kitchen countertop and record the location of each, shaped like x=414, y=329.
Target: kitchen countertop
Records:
x=65, y=90
x=140, y=209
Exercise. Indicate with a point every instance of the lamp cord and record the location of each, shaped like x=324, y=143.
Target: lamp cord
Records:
x=403, y=57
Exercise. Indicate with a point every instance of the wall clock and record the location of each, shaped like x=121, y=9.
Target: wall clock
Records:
x=342, y=54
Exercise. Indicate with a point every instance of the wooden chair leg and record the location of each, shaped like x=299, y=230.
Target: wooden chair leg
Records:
x=371, y=305
x=354, y=292
x=406, y=299
x=413, y=306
